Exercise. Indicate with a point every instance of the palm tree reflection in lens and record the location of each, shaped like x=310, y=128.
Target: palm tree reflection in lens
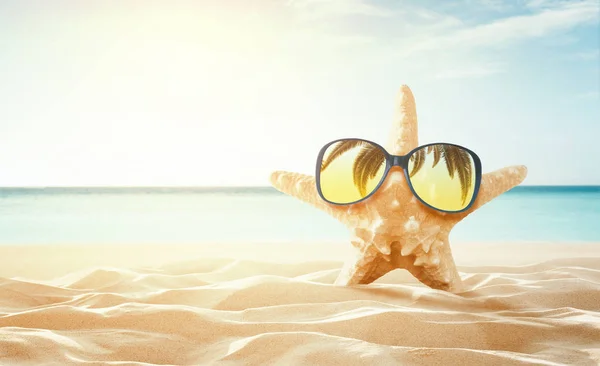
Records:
x=449, y=189
x=354, y=169
x=436, y=187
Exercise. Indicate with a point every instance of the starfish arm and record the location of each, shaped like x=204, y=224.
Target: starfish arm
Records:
x=497, y=182
x=304, y=188
x=367, y=267
x=403, y=135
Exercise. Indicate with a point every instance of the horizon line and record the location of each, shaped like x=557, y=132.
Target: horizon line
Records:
x=242, y=186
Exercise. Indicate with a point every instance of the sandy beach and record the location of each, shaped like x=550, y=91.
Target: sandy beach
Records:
x=259, y=304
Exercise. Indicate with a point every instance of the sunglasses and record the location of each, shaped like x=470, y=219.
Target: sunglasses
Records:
x=444, y=177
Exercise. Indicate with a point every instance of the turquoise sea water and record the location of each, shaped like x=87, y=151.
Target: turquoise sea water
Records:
x=199, y=215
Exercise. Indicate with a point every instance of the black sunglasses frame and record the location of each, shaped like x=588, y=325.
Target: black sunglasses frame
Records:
x=401, y=161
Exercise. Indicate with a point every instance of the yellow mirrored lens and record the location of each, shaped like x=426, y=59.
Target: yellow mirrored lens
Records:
x=443, y=176
x=351, y=170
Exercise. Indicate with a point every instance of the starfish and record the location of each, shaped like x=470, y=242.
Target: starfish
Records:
x=392, y=229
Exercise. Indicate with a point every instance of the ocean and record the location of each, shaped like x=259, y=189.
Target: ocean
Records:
x=262, y=214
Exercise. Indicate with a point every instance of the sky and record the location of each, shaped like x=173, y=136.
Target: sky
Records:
x=214, y=92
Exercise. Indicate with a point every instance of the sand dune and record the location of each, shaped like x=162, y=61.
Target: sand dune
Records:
x=208, y=310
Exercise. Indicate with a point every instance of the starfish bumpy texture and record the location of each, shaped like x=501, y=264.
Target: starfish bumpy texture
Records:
x=392, y=229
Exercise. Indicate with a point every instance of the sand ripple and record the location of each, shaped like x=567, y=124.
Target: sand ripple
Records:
x=230, y=312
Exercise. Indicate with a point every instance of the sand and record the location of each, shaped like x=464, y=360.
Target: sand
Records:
x=263, y=304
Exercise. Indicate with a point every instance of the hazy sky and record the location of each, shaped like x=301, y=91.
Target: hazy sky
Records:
x=222, y=92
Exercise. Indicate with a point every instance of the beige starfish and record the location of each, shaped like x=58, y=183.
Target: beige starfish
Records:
x=392, y=229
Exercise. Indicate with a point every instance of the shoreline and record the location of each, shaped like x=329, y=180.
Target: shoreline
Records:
x=42, y=262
